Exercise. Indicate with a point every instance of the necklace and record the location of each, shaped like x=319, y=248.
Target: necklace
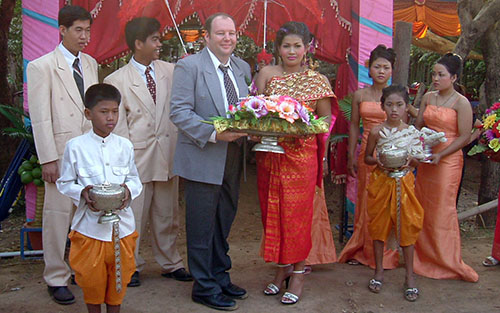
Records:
x=446, y=101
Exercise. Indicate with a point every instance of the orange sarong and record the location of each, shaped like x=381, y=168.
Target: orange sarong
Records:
x=389, y=211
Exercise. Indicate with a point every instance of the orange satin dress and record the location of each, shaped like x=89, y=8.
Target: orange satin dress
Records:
x=294, y=213
x=437, y=251
x=360, y=245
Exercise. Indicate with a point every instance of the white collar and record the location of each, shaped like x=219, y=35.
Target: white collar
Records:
x=70, y=57
x=141, y=67
x=217, y=62
x=100, y=139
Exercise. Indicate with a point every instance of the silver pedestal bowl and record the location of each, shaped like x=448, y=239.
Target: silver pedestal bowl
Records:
x=108, y=197
x=393, y=158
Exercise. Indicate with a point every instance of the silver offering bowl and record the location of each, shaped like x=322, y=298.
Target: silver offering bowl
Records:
x=393, y=158
x=108, y=197
x=269, y=144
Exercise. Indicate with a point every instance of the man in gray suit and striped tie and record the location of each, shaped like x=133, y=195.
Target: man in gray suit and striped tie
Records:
x=204, y=85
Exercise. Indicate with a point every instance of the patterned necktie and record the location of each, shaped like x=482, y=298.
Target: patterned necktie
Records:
x=77, y=75
x=231, y=95
x=151, y=83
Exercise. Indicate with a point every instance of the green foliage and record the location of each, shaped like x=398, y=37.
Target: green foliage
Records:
x=345, y=106
x=16, y=116
x=477, y=149
x=246, y=48
x=422, y=61
x=15, y=46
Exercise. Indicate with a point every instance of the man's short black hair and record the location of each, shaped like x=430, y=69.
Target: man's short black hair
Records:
x=101, y=92
x=140, y=28
x=71, y=13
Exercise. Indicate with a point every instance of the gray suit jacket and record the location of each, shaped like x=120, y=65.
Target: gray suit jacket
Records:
x=197, y=96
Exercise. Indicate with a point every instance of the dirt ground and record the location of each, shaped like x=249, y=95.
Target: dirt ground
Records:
x=329, y=288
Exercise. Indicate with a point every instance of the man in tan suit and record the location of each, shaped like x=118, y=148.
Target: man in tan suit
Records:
x=56, y=84
x=145, y=84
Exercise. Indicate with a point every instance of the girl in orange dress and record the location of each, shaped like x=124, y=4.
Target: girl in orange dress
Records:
x=287, y=182
x=437, y=251
x=366, y=106
x=395, y=214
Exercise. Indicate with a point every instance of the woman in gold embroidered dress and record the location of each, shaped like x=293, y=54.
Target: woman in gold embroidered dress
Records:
x=287, y=182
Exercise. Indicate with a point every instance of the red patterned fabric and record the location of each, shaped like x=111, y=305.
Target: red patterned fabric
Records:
x=286, y=182
x=495, y=252
x=328, y=20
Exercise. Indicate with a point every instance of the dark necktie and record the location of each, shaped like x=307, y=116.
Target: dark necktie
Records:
x=77, y=75
x=231, y=95
x=151, y=83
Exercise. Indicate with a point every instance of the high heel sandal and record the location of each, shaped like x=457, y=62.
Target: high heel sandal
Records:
x=272, y=289
x=289, y=298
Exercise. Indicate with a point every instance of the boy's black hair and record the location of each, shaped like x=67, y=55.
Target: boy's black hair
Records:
x=140, y=28
x=101, y=92
x=71, y=13
x=399, y=89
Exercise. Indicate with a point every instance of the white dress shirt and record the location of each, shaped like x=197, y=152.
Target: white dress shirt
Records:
x=141, y=68
x=91, y=160
x=70, y=58
x=220, y=74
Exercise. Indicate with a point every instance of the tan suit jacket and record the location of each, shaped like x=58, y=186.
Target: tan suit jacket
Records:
x=57, y=115
x=145, y=123
x=55, y=105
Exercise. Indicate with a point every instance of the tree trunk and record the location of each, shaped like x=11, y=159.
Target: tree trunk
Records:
x=490, y=171
x=6, y=14
x=475, y=19
x=402, y=44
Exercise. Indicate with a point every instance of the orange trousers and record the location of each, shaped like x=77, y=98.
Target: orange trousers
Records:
x=94, y=264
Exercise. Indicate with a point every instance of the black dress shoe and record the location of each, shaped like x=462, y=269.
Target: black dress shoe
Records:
x=180, y=275
x=61, y=295
x=234, y=292
x=218, y=302
x=134, y=281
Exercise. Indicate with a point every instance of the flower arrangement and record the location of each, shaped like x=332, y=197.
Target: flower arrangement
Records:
x=489, y=141
x=271, y=114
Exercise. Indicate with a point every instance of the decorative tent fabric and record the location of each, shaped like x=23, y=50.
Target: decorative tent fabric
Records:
x=438, y=15
x=329, y=20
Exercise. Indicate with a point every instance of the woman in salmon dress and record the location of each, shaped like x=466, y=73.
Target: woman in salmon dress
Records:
x=437, y=251
x=366, y=105
x=287, y=182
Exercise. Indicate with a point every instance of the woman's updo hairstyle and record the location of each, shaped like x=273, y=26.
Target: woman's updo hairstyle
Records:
x=453, y=64
x=381, y=51
x=292, y=28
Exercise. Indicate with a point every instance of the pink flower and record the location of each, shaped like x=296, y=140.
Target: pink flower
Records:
x=257, y=105
x=286, y=109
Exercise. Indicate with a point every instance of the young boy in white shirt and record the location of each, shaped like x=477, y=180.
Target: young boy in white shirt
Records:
x=102, y=268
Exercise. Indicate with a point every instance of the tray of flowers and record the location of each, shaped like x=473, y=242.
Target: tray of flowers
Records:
x=489, y=140
x=271, y=117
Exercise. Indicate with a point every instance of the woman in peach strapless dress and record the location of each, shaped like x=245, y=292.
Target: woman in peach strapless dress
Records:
x=438, y=251
x=366, y=105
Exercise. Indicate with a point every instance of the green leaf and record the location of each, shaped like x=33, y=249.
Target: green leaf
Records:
x=477, y=149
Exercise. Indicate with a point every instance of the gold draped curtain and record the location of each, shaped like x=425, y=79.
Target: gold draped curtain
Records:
x=440, y=16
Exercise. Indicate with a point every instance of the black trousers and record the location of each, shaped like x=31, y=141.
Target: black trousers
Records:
x=210, y=212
